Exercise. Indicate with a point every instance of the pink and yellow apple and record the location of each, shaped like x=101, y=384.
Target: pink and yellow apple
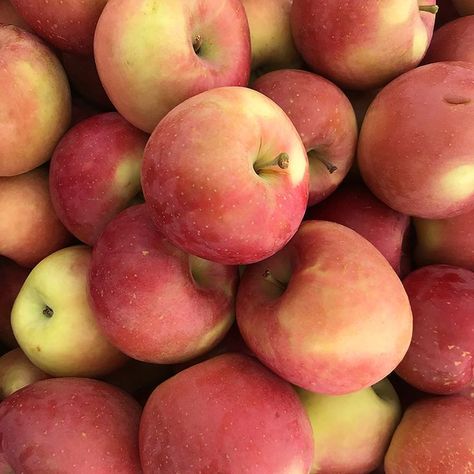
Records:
x=311, y=312
x=95, y=173
x=151, y=55
x=228, y=414
x=35, y=101
x=416, y=142
x=225, y=176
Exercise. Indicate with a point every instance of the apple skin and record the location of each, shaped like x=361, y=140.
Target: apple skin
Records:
x=68, y=26
x=271, y=41
x=318, y=333
x=464, y=7
x=435, y=436
x=439, y=359
x=16, y=372
x=170, y=306
x=340, y=446
x=361, y=48
x=449, y=241
x=209, y=181
x=415, y=145
x=325, y=120
x=10, y=16
x=145, y=57
x=95, y=173
x=35, y=97
x=228, y=414
x=68, y=341
x=70, y=425
x=29, y=226
x=354, y=206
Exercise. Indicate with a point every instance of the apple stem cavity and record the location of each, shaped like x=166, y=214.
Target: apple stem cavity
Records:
x=331, y=167
x=48, y=312
x=197, y=43
x=267, y=274
x=282, y=161
x=429, y=8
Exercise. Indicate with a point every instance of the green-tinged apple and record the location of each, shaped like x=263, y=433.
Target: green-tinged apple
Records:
x=95, y=173
x=270, y=35
x=341, y=445
x=416, y=142
x=435, y=436
x=441, y=352
x=226, y=415
x=35, y=101
x=17, y=371
x=362, y=48
x=66, y=425
x=29, y=227
x=153, y=301
x=225, y=176
x=464, y=7
x=327, y=313
x=54, y=323
x=151, y=55
x=325, y=120
x=68, y=26
x=9, y=15
x=354, y=206
x=449, y=241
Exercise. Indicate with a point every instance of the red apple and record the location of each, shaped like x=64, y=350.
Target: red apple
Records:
x=228, y=414
x=35, y=101
x=68, y=26
x=225, y=175
x=70, y=425
x=153, y=301
x=10, y=16
x=29, y=226
x=325, y=120
x=435, y=436
x=327, y=312
x=439, y=359
x=361, y=47
x=464, y=7
x=449, y=241
x=152, y=55
x=416, y=142
x=95, y=173
x=354, y=206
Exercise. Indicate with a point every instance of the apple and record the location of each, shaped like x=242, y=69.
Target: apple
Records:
x=270, y=35
x=325, y=120
x=95, y=173
x=327, y=313
x=464, y=7
x=70, y=425
x=54, y=323
x=153, y=301
x=35, y=101
x=435, y=435
x=151, y=55
x=340, y=446
x=225, y=175
x=68, y=26
x=228, y=414
x=415, y=145
x=17, y=371
x=29, y=226
x=362, y=48
x=439, y=359
x=10, y=16
x=449, y=241
x=453, y=42
x=354, y=206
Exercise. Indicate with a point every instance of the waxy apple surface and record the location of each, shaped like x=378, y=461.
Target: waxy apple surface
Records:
x=228, y=414
x=70, y=425
x=155, y=302
x=151, y=55
x=415, y=145
x=327, y=312
x=225, y=176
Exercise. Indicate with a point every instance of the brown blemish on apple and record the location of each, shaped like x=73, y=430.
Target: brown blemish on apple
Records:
x=38, y=348
x=456, y=100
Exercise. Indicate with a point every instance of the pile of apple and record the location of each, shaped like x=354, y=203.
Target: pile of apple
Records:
x=236, y=236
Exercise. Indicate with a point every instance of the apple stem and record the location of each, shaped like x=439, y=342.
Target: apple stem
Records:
x=282, y=161
x=267, y=274
x=197, y=42
x=47, y=311
x=429, y=8
x=329, y=166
